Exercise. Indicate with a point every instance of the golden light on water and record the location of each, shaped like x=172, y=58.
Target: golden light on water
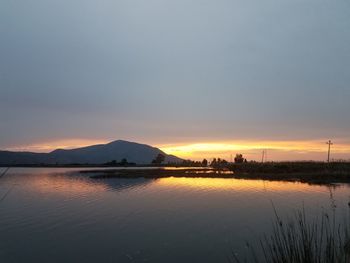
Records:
x=64, y=185
x=234, y=184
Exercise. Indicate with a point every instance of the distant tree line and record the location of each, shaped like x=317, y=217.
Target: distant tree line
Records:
x=123, y=162
x=222, y=163
x=218, y=163
x=160, y=158
x=190, y=163
x=240, y=159
x=215, y=163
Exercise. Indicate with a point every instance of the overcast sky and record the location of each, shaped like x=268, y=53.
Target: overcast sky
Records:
x=174, y=71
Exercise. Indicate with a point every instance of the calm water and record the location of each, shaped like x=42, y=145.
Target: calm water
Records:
x=57, y=215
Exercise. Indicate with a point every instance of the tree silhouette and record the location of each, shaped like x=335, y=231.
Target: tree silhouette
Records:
x=239, y=158
x=159, y=159
x=112, y=163
x=124, y=161
x=205, y=162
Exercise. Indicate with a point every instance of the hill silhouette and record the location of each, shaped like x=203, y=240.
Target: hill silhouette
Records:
x=94, y=154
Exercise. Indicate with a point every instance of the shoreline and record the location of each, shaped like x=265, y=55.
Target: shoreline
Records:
x=326, y=177
x=304, y=172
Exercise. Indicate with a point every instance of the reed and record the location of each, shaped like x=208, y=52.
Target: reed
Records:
x=324, y=239
x=4, y=172
x=6, y=194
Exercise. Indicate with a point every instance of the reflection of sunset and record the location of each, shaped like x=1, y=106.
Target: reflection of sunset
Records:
x=65, y=185
x=235, y=184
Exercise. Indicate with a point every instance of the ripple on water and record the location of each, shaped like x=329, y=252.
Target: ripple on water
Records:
x=57, y=213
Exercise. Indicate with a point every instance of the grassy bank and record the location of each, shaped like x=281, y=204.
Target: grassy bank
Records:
x=323, y=239
x=312, y=172
x=159, y=173
x=309, y=172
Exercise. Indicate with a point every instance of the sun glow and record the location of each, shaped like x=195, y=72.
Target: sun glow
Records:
x=252, y=149
x=58, y=144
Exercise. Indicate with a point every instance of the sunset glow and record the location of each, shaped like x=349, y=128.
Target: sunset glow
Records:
x=58, y=144
x=174, y=131
x=277, y=149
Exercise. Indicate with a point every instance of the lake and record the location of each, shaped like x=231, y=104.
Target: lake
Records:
x=59, y=215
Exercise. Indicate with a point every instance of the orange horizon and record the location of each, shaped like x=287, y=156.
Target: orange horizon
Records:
x=252, y=149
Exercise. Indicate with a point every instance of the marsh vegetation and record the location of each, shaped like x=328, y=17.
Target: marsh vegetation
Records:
x=299, y=239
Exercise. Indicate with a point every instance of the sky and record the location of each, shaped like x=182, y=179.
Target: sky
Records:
x=197, y=78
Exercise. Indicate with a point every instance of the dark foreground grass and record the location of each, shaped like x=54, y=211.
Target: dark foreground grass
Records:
x=300, y=240
x=2, y=198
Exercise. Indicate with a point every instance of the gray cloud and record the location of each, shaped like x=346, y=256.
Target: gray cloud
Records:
x=174, y=70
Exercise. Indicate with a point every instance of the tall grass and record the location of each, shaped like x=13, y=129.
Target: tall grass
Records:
x=4, y=172
x=299, y=239
x=2, y=175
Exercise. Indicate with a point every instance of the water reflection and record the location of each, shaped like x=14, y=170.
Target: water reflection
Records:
x=64, y=185
x=63, y=181
x=241, y=184
x=52, y=215
x=121, y=184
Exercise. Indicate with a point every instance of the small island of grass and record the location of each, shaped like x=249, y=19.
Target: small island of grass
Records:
x=308, y=172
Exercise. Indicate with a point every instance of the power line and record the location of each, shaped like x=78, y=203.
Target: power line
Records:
x=264, y=156
x=329, y=149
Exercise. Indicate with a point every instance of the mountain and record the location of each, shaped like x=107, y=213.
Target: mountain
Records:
x=95, y=154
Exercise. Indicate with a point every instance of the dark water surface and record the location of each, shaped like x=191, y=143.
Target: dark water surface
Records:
x=59, y=215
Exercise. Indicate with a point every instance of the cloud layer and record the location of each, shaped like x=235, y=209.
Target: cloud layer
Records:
x=164, y=71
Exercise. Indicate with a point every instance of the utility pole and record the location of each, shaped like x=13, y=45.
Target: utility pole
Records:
x=263, y=156
x=329, y=149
